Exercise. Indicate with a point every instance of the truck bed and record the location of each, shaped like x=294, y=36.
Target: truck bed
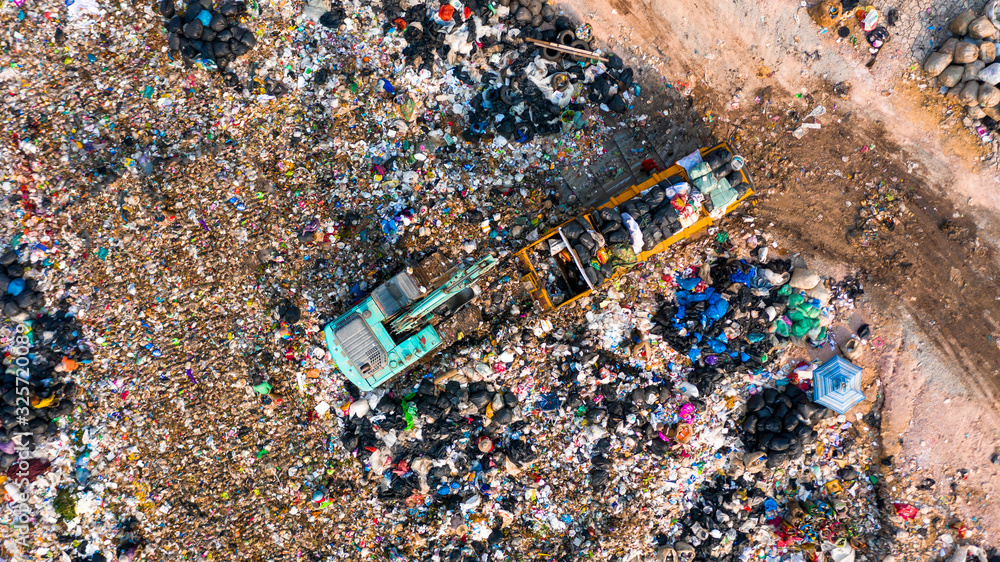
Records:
x=531, y=277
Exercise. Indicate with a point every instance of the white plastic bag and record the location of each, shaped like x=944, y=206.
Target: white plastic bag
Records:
x=633, y=230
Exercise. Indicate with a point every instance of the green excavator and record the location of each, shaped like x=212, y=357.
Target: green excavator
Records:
x=423, y=308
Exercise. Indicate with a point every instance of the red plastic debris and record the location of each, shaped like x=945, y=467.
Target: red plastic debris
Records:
x=905, y=510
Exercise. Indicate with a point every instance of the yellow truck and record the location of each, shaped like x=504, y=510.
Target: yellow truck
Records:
x=574, y=259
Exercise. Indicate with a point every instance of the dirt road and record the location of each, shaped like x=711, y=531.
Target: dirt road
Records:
x=880, y=189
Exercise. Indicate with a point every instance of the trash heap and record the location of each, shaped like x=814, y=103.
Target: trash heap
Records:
x=822, y=502
x=719, y=317
x=779, y=423
x=524, y=86
x=553, y=94
x=806, y=313
x=20, y=292
x=198, y=32
x=437, y=445
x=56, y=351
x=721, y=520
x=965, y=65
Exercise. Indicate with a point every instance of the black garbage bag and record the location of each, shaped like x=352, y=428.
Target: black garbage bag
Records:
x=600, y=90
x=573, y=230
x=238, y=48
x=810, y=410
x=193, y=29
x=224, y=35
x=480, y=399
x=601, y=461
x=10, y=309
x=221, y=49
x=790, y=421
x=764, y=439
x=520, y=451
x=599, y=478
x=166, y=8
x=659, y=447
x=780, y=410
x=722, y=172
x=25, y=299
x=275, y=88
x=655, y=197
x=596, y=415
x=332, y=20
x=503, y=416
x=617, y=104
x=206, y=51
x=321, y=76
x=207, y=34
x=670, y=229
x=175, y=24
x=218, y=23
x=781, y=442
x=427, y=388
x=626, y=77
x=610, y=216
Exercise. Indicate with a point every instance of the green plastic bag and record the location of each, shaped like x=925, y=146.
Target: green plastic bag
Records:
x=780, y=327
x=409, y=410
x=795, y=300
x=800, y=329
x=795, y=315
x=785, y=290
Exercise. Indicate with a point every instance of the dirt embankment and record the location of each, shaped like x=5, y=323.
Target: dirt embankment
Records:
x=882, y=188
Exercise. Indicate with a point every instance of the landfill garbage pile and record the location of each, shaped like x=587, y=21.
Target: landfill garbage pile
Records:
x=550, y=98
x=719, y=317
x=522, y=89
x=824, y=504
x=965, y=66
x=780, y=423
x=205, y=236
x=20, y=290
x=722, y=519
x=57, y=351
x=435, y=444
x=199, y=32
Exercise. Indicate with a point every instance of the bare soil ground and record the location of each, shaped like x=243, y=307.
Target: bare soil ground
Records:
x=889, y=187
